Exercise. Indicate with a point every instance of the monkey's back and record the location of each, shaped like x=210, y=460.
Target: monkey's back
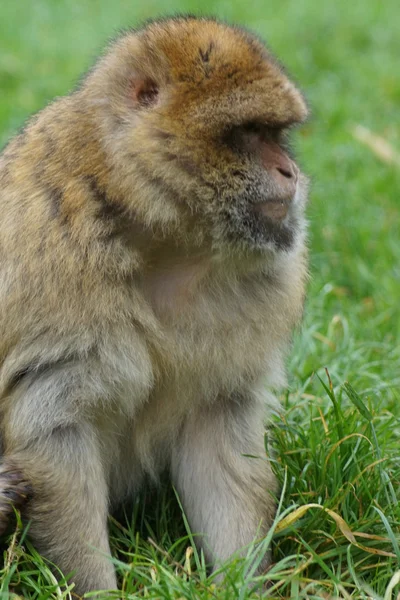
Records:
x=63, y=271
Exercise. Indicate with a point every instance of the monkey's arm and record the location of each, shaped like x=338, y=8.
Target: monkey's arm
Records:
x=223, y=477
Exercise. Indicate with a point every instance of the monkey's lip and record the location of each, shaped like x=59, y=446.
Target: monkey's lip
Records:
x=274, y=210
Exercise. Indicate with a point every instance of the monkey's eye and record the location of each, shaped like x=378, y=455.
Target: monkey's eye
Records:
x=252, y=132
x=252, y=127
x=265, y=132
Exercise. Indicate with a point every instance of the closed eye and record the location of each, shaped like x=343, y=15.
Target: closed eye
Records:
x=239, y=135
x=253, y=127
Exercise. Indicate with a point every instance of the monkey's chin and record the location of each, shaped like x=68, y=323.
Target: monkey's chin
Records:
x=261, y=237
x=271, y=228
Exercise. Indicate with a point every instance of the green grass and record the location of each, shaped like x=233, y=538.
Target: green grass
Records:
x=337, y=445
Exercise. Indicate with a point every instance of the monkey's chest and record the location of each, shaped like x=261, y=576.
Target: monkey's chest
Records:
x=218, y=347
x=211, y=354
x=219, y=330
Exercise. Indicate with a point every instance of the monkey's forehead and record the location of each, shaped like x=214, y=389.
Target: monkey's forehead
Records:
x=203, y=61
x=195, y=50
x=198, y=47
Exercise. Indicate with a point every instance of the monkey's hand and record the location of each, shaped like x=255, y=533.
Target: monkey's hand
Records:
x=14, y=493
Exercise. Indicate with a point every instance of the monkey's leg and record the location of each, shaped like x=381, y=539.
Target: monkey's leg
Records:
x=68, y=509
x=227, y=494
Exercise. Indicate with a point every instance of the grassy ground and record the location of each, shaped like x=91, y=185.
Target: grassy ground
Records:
x=337, y=447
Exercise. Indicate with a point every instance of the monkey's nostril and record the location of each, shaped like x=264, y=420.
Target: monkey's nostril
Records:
x=286, y=172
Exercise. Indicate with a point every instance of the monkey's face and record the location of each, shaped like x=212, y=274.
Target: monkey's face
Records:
x=205, y=121
x=262, y=205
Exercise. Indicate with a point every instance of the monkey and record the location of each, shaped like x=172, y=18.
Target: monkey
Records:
x=153, y=269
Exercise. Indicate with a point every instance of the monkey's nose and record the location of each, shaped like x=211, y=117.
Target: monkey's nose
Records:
x=289, y=170
x=285, y=175
x=285, y=172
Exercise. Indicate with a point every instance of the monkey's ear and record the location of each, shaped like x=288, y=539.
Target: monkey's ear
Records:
x=144, y=92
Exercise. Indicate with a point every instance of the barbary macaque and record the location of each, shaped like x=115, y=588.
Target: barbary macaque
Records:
x=153, y=266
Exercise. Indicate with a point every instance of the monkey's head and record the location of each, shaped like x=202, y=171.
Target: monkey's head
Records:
x=194, y=117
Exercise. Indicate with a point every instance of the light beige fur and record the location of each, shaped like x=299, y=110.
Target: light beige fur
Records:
x=142, y=318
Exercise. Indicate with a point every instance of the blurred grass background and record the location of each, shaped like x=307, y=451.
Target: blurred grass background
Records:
x=345, y=57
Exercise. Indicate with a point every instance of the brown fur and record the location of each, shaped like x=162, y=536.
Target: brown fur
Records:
x=144, y=308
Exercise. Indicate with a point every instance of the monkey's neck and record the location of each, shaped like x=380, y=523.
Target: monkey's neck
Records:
x=172, y=286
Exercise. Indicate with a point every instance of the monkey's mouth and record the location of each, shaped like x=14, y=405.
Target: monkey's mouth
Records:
x=275, y=210
x=260, y=220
